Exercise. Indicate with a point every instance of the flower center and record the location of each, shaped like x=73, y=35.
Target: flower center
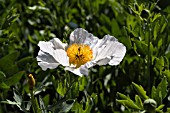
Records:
x=79, y=54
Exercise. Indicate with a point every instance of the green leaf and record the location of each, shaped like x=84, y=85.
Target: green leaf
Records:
x=3, y=86
x=168, y=109
x=89, y=104
x=2, y=76
x=9, y=102
x=167, y=74
x=128, y=103
x=140, y=90
x=61, y=89
x=141, y=47
x=7, y=64
x=17, y=102
x=82, y=83
x=163, y=27
x=156, y=31
x=159, y=108
x=73, y=89
x=31, y=40
x=77, y=108
x=161, y=91
x=2, y=40
x=163, y=87
x=46, y=99
x=122, y=96
x=115, y=28
x=15, y=78
x=37, y=105
x=153, y=93
x=64, y=106
x=159, y=63
x=84, y=106
x=22, y=62
x=10, y=18
x=156, y=16
x=17, y=98
x=138, y=102
x=42, y=106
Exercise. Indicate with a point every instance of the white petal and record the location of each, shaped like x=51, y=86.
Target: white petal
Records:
x=118, y=55
x=47, y=47
x=45, y=61
x=52, y=54
x=80, y=35
x=110, y=51
x=46, y=65
x=103, y=61
x=90, y=64
x=58, y=44
x=79, y=71
x=61, y=56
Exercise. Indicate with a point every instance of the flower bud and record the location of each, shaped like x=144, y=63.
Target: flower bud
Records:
x=150, y=105
x=31, y=81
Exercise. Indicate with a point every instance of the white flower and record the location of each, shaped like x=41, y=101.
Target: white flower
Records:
x=83, y=52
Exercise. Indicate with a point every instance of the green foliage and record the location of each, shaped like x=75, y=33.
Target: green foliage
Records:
x=161, y=91
x=139, y=84
x=140, y=91
x=149, y=105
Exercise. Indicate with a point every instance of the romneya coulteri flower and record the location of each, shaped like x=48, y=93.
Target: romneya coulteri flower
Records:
x=83, y=51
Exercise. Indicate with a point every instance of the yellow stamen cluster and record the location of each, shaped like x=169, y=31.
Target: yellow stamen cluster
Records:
x=79, y=54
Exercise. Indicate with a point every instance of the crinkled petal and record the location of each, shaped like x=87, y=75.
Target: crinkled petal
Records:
x=58, y=44
x=51, y=54
x=103, y=61
x=46, y=47
x=82, y=36
x=51, y=45
x=78, y=71
x=61, y=56
x=109, y=51
x=90, y=64
x=45, y=61
x=46, y=65
x=118, y=55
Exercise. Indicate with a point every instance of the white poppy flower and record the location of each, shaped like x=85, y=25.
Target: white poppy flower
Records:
x=83, y=52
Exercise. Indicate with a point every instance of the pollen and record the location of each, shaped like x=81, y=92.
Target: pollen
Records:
x=79, y=54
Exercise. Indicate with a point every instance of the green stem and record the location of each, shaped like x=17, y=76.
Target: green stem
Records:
x=2, y=98
x=71, y=84
x=33, y=102
x=149, y=61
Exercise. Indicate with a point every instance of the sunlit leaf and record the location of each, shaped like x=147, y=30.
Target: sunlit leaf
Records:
x=159, y=108
x=138, y=101
x=140, y=90
x=61, y=89
x=126, y=101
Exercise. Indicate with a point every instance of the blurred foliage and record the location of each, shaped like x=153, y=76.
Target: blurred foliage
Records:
x=139, y=84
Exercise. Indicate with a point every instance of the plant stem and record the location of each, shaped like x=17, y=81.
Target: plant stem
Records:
x=2, y=98
x=33, y=102
x=149, y=61
x=71, y=84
